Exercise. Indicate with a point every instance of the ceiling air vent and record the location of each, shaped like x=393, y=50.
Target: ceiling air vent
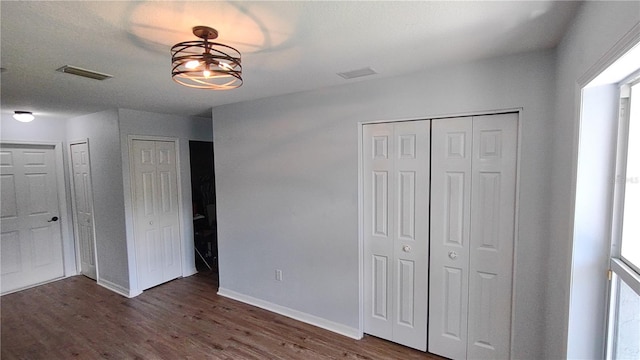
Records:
x=357, y=73
x=68, y=69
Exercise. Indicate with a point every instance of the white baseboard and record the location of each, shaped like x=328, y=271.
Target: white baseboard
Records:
x=118, y=289
x=34, y=285
x=294, y=314
x=189, y=272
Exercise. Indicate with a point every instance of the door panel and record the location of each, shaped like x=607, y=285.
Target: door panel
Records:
x=411, y=240
x=380, y=207
x=147, y=244
x=472, y=232
x=83, y=208
x=396, y=181
x=406, y=206
x=168, y=214
x=491, y=262
x=378, y=225
x=156, y=214
x=449, y=243
x=406, y=284
x=452, y=299
x=380, y=289
x=31, y=242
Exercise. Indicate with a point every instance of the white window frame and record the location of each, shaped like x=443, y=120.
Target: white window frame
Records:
x=620, y=269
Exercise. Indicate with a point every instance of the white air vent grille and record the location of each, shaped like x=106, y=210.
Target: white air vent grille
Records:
x=68, y=69
x=357, y=73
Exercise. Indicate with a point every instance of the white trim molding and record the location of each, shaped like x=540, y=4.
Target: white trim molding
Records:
x=293, y=314
x=118, y=289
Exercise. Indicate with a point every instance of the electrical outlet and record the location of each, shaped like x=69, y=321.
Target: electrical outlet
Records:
x=278, y=275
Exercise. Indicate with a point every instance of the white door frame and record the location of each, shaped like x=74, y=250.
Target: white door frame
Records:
x=361, y=270
x=68, y=248
x=75, y=220
x=134, y=285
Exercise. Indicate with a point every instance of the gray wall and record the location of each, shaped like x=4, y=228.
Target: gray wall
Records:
x=102, y=131
x=287, y=183
x=596, y=29
x=183, y=129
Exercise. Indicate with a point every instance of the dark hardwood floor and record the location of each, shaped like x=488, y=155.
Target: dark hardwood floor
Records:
x=183, y=319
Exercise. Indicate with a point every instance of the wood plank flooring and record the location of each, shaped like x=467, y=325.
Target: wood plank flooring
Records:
x=183, y=319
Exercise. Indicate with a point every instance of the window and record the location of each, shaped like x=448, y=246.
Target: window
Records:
x=630, y=240
x=624, y=300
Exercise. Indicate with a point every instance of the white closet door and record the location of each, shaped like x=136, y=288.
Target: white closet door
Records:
x=450, y=220
x=167, y=212
x=31, y=238
x=378, y=228
x=156, y=222
x=492, y=227
x=396, y=183
x=83, y=208
x=472, y=233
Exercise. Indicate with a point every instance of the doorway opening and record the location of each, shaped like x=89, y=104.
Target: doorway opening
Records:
x=204, y=206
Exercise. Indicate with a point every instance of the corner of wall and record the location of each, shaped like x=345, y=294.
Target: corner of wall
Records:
x=597, y=28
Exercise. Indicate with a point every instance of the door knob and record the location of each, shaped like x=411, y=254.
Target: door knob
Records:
x=453, y=255
x=55, y=218
x=406, y=248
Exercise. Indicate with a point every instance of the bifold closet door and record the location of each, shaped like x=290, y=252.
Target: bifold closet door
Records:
x=473, y=177
x=449, y=242
x=83, y=208
x=156, y=215
x=396, y=230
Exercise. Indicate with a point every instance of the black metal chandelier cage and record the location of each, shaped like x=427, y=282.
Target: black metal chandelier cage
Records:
x=203, y=64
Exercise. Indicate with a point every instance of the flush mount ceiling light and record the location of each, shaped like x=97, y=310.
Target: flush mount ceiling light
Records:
x=23, y=116
x=202, y=64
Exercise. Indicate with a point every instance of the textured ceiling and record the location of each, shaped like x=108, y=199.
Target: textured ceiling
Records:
x=287, y=46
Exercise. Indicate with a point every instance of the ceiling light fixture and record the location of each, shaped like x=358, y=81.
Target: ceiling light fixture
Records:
x=202, y=64
x=23, y=116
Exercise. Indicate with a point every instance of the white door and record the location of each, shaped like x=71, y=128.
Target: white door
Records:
x=493, y=191
x=83, y=208
x=156, y=216
x=396, y=231
x=31, y=236
x=472, y=233
x=449, y=242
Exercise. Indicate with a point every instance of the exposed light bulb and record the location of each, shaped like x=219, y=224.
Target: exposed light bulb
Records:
x=192, y=64
x=23, y=116
x=224, y=65
x=206, y=73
